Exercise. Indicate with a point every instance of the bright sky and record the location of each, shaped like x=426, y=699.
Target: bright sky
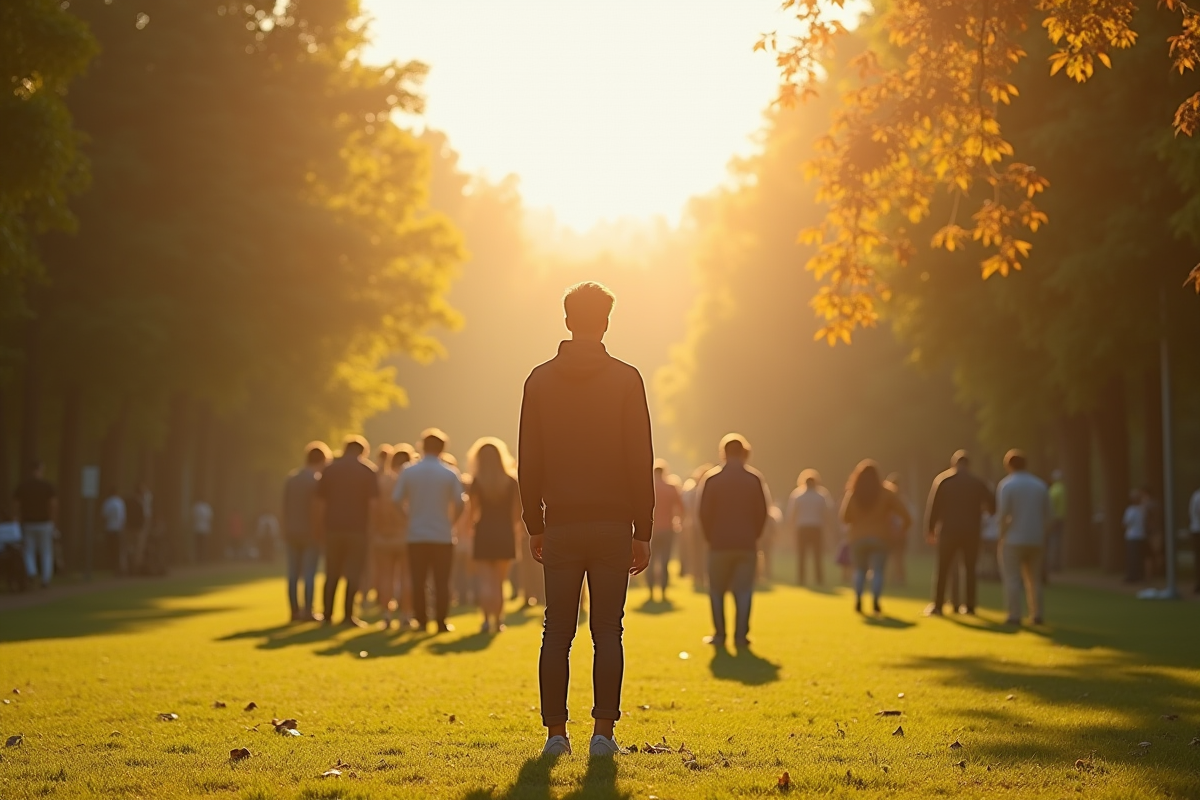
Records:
x=605, y=109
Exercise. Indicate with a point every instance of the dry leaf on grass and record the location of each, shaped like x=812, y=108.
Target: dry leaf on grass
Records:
x=900, y=695
x=961, y=764
x=331, y=773
x=1170, y=717
x=957, y=745
x=218, y=704
x=289, y=724
x=168, y=717
x=16, y=691
x=239, y=754
x=888, y=712
x=1195, y=741
x=1143, y=744
x=785, y=782
x=7, y=701
x=14, y=741
x=899, y=731
x=250, y=706
x=453, y=719
x=1011, y=697
x=644, y=708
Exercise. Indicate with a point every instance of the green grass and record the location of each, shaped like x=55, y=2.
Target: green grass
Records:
x=455, y=716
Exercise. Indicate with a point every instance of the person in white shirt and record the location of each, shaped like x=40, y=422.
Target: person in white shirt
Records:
x=1023, y=506
x=1135, y=537
x=113, y=512
x=809, y=514
x=1194, y=514
x=202, y=520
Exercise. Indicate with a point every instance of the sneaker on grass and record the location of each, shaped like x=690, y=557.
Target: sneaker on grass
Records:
x=557, y=746
x=603, y=746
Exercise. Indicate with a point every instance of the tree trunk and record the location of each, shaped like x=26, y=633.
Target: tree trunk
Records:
x=1152, y=439
x=31, y=400
x=112, y=452
x=171, y=469
x=70, y=519
x=6, y=485
x=202, y=465
x=1110, y=422
x=1080, y=546
x=226, y=460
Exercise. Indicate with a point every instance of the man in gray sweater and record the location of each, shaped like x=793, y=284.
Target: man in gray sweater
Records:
x=1025, y=517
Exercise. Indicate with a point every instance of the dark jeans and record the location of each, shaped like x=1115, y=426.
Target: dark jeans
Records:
x=731, y=571
x=869, y=554
x=601, y=552
x=808, y=542
x=951, y=548
x=345, y=554
x=659, y=571
x=302, y=558
x=425, y=558
x=1135, y=560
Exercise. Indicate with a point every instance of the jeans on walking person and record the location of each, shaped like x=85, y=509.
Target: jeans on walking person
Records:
x=810, y=544
x=345, y=556
x=1022, y=564
x=425, y=560
x=659, y=572
x=601, y=551
x=957, y=552
x=869, y=554
x=302, y=560
x=39, y=550
x=731, y=571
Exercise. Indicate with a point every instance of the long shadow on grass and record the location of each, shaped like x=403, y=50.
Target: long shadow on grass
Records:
x=135, y=606
x=743, y=666
x=656, y=607
x=533, y=783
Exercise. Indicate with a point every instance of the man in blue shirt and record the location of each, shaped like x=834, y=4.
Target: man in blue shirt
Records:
x=1025, y=514
x=431, y=493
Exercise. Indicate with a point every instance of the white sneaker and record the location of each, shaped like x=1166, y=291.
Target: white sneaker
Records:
x=603, y=746
x=557, y=746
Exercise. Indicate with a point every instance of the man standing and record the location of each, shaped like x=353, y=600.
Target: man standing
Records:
x=587, y=489
x=1026, y=514
x=113, y=513
x=36, y=511
x=734, y=504
x=202, y=521
x=953, y=521
x=301, y=525
x=430, y=492
x=668, y=519
x=810, y=515
x=346, y=490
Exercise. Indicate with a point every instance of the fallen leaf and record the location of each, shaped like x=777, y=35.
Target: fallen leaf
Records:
x=957, y=745
x=633, y=748
x=899, y=731
x=785, y=781
x=961, y=764
x=888, y=712
x=218, y=704
x=239, y=754
x=656, y=749
x=289, y=724
x=168, y=717
x=1195, y=741
x=1170, y=717
x=16, y=691
x=288, y=732
x=1143, y=744
x=453, y=719
x=1080, y=764
x=900, y=696
x=870, y=695
x=691, y=763
x=331, y=773
x=7, y=701
x=251, y=706
x=644, y=708
x=685, y=655
x=885, y=768
x=1011, y=697
x=14, y=741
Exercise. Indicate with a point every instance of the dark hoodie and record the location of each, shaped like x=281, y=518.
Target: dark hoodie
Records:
x=585, y=452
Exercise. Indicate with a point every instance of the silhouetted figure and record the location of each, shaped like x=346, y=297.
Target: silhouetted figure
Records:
x=431, y=492
x=953, y=520
x=1026, y=516
x=494, y=503
x=202, y=525
x=389, y=551
x=113, y=514
x=1194, y=527
x=1135, y=537
x=734, y=505
x=872, y=512
x=36, y=509
x=810, y=515
x=587, y=488
x=347, y=489
x=693, y=538
x=300, y=528
x=668, y=518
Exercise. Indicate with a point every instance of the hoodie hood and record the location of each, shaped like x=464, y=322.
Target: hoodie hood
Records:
x=579, y=360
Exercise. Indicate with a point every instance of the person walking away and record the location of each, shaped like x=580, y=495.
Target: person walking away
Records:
x=585, y=470
x=1135, y=538
x=463, y=589
x=1194, y=516
x=301, y=526
x=810, y=515
x=734, y=505
x=872, y=512
x=346, y=493
x=388, y=548
x=494, y=503
x=1026, y=515
x=202, y=523
x=668, y=516
x=113, y=514
x=431, y=492
x=36, y=509
x=693, y=537
x=898, y=543
x=953, y=518
x=1058, y=524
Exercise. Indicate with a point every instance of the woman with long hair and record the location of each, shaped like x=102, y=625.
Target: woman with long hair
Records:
x=872, y=512
x=388, y=550
x=495, y=508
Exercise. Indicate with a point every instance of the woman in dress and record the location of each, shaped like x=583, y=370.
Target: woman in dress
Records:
x=873, y=513
x=495, y=509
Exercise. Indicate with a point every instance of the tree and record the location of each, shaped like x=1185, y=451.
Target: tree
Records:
x=922, y=121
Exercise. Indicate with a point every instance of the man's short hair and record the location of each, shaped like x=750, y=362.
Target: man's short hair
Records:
x=960, y=457
x=661, y=466
x=588, y=305
x=734, y=445
x=316, y=453
x=355, y=446
x=401, y=455
x=433, y=440
x=1015, y=460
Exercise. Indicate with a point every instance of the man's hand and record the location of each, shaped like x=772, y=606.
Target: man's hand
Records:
x=641, y=557
x=535, y=547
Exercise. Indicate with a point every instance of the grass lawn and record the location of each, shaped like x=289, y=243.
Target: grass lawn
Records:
x=1081, y=708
